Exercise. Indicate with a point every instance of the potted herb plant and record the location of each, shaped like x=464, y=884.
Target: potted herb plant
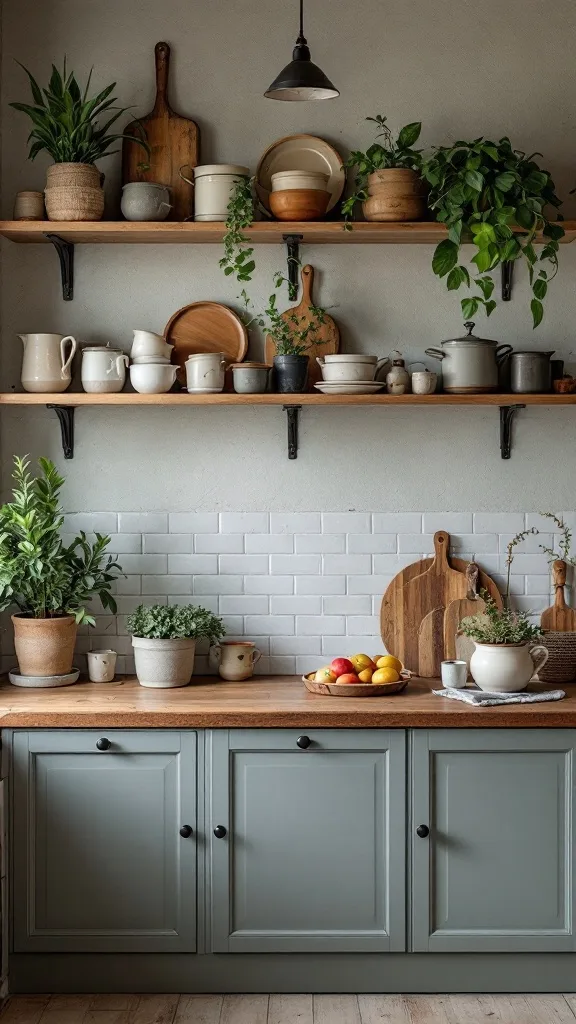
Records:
x=505, y=656
x=388, y=181
x=68, y=125
x=164, y=641
x=50, y=584
x=495, y=196
x=293, y=336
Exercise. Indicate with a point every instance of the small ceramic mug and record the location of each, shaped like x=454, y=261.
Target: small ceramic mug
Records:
x=235, y=659
x=424, y=382
x=101, y=666
x=454, y=674
x=205, y=372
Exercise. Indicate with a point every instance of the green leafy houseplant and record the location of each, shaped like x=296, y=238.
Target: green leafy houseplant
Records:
x=67, y=124
x=293, y=335
x=237, y=250
x=175, y=622
x=499, y=626
x=387, y=153
x=39, y=575
x=497, y=196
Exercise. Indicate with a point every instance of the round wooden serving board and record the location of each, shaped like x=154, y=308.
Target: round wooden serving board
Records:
x=356, y=689
x=205, y=327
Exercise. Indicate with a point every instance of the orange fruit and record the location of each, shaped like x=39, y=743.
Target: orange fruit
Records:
x=365, y=675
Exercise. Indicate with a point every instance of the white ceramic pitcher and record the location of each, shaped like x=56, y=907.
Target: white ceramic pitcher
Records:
x=45, y=366
x=506, y=668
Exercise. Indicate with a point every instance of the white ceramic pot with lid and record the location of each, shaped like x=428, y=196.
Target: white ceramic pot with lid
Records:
x=213, y=189
x=470, y=364
x=103, y=370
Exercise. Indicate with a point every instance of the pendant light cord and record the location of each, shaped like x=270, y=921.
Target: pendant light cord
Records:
x=301, y=39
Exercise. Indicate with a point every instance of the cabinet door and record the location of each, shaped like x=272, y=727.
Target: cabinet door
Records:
x=99, y=864
x=314, y=851
x=495, y=873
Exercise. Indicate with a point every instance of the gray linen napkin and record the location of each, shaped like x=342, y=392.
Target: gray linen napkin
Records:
x=482, y=699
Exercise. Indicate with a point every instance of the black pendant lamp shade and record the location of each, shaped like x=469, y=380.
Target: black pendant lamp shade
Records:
x=301, y=79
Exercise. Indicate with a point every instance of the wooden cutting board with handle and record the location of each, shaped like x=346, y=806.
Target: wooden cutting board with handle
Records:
x=392, y=608
x=472, y=604
x=173, y=140
x=560, y=617
x=328, y=334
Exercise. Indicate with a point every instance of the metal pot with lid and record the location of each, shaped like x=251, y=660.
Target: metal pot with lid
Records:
x=470, y=364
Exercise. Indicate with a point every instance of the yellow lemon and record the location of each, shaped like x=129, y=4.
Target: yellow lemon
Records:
x=361, y=661
x=365, y=675
x=389, y=661
x=385, y=675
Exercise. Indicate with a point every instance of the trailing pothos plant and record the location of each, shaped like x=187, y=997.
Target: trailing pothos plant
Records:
x=237, y=250
x=498, y=196
x=293, y=335
x=388, y=153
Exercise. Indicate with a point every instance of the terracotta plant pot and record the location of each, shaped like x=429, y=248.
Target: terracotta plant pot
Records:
x=74, y=192
x=395, y=194
x=44, y=647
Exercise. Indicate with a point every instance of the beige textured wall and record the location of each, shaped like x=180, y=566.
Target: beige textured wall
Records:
x=465, y=69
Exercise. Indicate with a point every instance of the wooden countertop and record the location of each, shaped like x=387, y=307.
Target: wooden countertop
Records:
x=262, y=702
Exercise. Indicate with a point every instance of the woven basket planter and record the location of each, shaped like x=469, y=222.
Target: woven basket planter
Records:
x=561, y=664
x=74, y=192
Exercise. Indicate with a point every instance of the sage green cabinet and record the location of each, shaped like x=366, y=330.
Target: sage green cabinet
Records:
x=313, y=853
x=99, y=864
x=496, y=872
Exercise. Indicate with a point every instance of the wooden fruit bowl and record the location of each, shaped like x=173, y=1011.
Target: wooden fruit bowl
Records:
x=356, y=689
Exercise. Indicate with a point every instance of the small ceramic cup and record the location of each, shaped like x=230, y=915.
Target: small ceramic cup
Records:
x=250, y=378
x=424, y=382
x=101, y=666
x=454, y=674
x=234, y=659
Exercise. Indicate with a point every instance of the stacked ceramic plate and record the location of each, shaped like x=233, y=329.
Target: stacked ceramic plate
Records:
x=350, y=374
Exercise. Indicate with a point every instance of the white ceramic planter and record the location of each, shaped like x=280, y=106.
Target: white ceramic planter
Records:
x=506, y=668
x=163, y=663
x=213, y=188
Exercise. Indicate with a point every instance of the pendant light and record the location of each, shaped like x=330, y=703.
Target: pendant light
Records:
x=301, y=79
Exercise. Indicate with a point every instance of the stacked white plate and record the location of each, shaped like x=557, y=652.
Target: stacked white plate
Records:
x=350, y=374
x=350, y=387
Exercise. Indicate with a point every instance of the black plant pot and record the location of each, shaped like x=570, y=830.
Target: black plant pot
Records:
x=291, y=374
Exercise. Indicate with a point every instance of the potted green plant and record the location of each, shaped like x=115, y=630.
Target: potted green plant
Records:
x=495, y=196
x=164, y=641
x=388, y=181
x=293, y=335
x=505, y=657
x=49, y=583
x=237, y=249
x=68, y=125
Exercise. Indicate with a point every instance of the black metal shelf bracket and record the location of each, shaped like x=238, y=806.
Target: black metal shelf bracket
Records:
x=506, y=418
x=65, y=414
x=507, y=278
x=293, y=259
x=65, y=252
x=292, y=414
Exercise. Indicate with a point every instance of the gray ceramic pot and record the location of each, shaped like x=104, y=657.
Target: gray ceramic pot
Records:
x=291, y=374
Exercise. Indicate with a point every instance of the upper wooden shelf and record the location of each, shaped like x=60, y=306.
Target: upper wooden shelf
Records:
x=329, y=232
x=71, y=398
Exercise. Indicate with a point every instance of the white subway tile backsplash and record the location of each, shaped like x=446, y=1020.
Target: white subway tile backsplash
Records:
x=295, y=564
x=375, y=584
x=372, y=543
x=282, y=665
x=498, y=522
x=319, y=544
x=538, y=584
x=530, y=544
x=269, y=543
x=127, y=605
x=269, y=584
x=281, y=625
x=244, y=604
x=309, y=663
x=324, y=625
x=320, y=585
x=193, y=522
x=244, y=522
x=397, y=522
x=531, y=603
x=166, y=585
x=218, y=543
x=295, y=604
x=346, y=522
x=416, y=543
x=360, y=625
x=526, y=563
x=167, y=543
x=517, y=583
x=125, y=543
x=243, y=564
x=203, y=565
x=217, y=585
x=347, y=605
x=143, y=522
x=452, y=522
x=104, y=624
x=145, y=563
x=91, y=522
x=205, y=601
x=475, y=543
x=295, y=645
x=391, y=564
x=295, y=522
x=233, y=624
x=336, y=564
x=128, y=585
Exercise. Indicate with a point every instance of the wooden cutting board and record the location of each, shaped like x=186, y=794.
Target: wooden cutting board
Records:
x=431, y=643
x=472, y=604
x=560, y=617
x=328, y=334
x=392, y=608
x=173, y=140
x=205, y=327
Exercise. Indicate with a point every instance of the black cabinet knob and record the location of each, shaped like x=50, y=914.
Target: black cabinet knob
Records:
x=422, y=831
x=219, y=831
x=103, y=744
x=303, y=742
x=186, y=831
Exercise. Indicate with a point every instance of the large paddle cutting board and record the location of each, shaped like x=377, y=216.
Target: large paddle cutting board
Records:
x=560, y=617
x=327, y=334
x=173, y=140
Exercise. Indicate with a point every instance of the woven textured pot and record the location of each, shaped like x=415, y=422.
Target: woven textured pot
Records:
x=561, y=664
x=74, y=192
x=44, y=647
x=163, y=663
x=395, y=194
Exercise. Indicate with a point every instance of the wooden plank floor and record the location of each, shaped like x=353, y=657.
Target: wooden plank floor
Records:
x=290, y=1009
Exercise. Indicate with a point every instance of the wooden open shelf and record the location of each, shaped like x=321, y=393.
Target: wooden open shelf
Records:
x=266, y=232
x=71, y=398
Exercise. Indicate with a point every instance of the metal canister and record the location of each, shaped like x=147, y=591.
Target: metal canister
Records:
x=530, y=372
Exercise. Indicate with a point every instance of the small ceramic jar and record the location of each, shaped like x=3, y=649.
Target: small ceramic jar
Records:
x=205, y=373
x=397, y=378
x=250, y=378
x=145, y=200
x=213, y=188
x=103, y=370
x=424, y=382
x=29, y=206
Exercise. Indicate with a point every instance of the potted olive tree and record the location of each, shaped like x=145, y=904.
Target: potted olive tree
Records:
x=50, y=584
x=164, y=641
x=68, y=125
x=388, y=181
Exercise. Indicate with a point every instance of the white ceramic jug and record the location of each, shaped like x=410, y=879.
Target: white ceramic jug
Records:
x=205, y=372
x=45, y=367
x=506, y=668
x=148, y=346
x=103, y=369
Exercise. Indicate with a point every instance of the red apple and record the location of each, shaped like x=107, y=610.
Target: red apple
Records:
x=341, y=666
x=348, y=677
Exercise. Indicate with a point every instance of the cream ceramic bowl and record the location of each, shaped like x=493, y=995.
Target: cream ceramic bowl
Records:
x=348, y=368
x=315, y=180
x=152, y=378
